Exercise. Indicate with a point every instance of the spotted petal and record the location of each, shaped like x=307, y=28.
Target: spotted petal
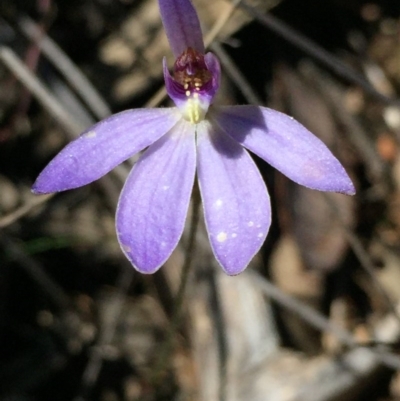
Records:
x=181, y=25
x=154, y=201
x=286, y=145
x=103, y=146
x=235, y=199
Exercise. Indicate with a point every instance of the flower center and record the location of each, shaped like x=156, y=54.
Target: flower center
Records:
x=191, y=72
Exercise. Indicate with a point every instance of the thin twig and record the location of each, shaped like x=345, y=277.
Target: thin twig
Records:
x=317, y=52
x=217, y=314
x=51, y=104
x=362, y=256
x=376, y=167
x=67, y=68
x=93, y=367
x=319, y=321
x=28, y=206
x=32, y=56
x=41, y=93
x=220, y=23
x=235, y=74
x=166, y=347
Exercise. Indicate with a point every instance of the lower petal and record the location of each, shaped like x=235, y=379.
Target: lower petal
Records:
x=154, y=201
x=235, y=199
x=286, y=145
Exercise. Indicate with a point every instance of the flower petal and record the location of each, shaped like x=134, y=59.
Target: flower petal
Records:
x=286, y=145
x=236, y=202
x=214, y=67
x=182, y=25
x=154, y=201
x=103, y=146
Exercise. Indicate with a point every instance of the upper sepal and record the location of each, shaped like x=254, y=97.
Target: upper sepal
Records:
x=181, y=25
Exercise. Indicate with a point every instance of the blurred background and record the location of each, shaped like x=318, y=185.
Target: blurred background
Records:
x=316, y=316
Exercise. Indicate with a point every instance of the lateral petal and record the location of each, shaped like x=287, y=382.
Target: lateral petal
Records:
x=215, y=68
x=235, y=199
x=286, y=145
x=154, y=201
x=103, y=146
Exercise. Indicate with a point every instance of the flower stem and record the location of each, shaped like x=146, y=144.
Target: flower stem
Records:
x=166, y=349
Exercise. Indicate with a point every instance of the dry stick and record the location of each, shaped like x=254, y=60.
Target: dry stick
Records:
x=30, y=204
x=54, y=108
x=95, y=362
x=235, y=75
x=312, y=49
x=319, y=321
x=51, y=104
x=217, y=314
x=355, y=133
x=42, y=94
x=67, y=68
x=362, y=256
x=32, y=56
x=166, y=347
x=372, y=160
x=220, y=23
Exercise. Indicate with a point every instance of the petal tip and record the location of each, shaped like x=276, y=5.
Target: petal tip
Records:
x=142, y=267
x=351, y=191
x=233, y=271
x=344, y=185
x=35, y=190
x=38, y=189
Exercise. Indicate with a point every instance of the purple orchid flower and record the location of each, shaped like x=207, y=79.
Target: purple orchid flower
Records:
x=194, y=136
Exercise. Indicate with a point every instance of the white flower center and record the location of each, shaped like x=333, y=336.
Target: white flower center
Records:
x=194, y=109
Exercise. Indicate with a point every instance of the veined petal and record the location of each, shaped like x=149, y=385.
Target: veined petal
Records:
x=154, y=201
x=235, y=200
x=286, y=145
x=103, y=146
x=181, y=25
